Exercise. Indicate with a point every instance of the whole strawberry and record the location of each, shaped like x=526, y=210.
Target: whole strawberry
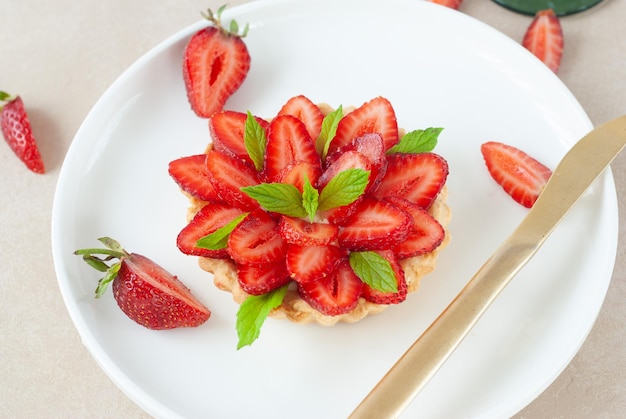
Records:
x=17, y=132
x=216, y=62
x=145, y=292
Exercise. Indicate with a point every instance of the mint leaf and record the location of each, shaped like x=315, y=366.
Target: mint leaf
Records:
x=310, y=199
x=255, y=141
x=418, y=141
x=253, y=312
x=329, y=128
x=219, y=238
x=282, y=198
x=345, y=188
x=374, y=270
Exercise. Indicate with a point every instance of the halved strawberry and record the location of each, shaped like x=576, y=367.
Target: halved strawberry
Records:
x=227, y=129
x=18, y=133
x=309, y=263
x=288, y=141
x=375, y=116
x=335, y=294
x=425, y=234
x=380, y=297
x=306, y=111
x=416, y=177
x=190, y=174
x=351, y=159
x=544, y=38
x=295, y=174
x=206, y=221
x=374, y=225
x=262, y=278
x=256, y=240
x=519, y=174
x=215, y=64
x=302, y=232
x=228, y=175
x=453, y=4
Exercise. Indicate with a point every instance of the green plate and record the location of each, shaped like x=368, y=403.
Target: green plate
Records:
x=560, y=7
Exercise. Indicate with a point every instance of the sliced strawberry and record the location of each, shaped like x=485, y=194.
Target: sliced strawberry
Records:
x=206, y=221
x=375, y=116
x=335, y=294
x=228, y=129
x=17, y=132
x=190, y=174
x=295, y=174
x=215, y=64
x=519, y=174
x=263, y=278
x=351, y=159
x=544, y=38
x=306, y=111
x=380, y=297
x=375, y=225
x=256, y=240
x=288, y=141
x=309, y=263
x=228, y=175
x=453, y=4
x=425, y=234
x=302, y=232
x=416, y=177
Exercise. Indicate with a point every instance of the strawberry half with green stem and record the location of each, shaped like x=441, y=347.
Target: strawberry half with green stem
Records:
x=17, y=132
x=519, y=174
x=144, y=291
x=544, y=38
x=215, y=64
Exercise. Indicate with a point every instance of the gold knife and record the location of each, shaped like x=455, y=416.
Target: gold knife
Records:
x=580, y=167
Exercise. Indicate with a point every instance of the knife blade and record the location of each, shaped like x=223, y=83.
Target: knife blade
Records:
x=576, y=172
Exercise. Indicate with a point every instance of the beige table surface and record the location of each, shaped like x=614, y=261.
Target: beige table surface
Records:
x=61, y=55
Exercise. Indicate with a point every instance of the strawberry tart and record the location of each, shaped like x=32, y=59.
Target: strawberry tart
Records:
x=318, y=214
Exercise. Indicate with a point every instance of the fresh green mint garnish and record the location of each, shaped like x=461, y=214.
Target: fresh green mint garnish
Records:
x=219, y=238
x=282, y=198
x=255, y=141
x=345, y=188
x=418, y=141
x=374, y=270
x=310, y=199
x=253, y=312
x=329, y=128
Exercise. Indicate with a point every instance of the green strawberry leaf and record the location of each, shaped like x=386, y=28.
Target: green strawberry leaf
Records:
x=255, y=141
x=374, y=270
x=345, y=188
x=110, y=275
x=253, y=312
x=282, y=198
x=418, y=141
x=329, y=128
x=310, y=199
x=219, y=238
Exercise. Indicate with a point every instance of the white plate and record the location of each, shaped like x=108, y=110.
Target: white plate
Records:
x=439, y=68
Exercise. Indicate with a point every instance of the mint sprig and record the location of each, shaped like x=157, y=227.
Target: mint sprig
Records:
x=310, y=199
x=374, y=270
x=253, y=312
x=418, y=141
x=219, y=238
x=345, y=188
x=255, y=141
x=282, y=198
x=329, y=129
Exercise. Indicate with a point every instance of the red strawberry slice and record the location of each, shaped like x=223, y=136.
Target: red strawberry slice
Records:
x=228, y=129
x=309, y=263
x=261, y=279
x=519, y=174
x=375, y=116
x=425, y=234
x=375, y=225
x=381, y=297
x=17, y=132
x=306, y=111
x=453, y=4
x=288, y=141
x=295, y=174
x=228, y=175
x=416, y=177
x=215, y=64
x=191, y=175
x=335, y=294
x=256, y=240
x=544, y=38
x=206, y=221
x=302, y=232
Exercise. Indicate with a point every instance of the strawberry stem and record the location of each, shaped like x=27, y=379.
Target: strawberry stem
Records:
x=216, y=19
x=113, y=251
